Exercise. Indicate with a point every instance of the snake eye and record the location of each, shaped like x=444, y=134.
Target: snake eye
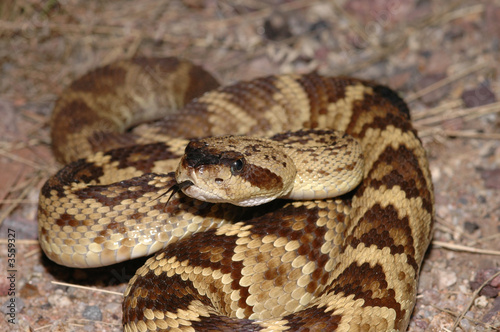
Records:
x=237, y=166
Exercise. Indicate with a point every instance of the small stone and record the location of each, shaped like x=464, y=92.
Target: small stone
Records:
x=491, y=178
x=463, y=289
x=92, y=312
x=481, y=302
x=494, y=312
x=276, y=27
x=490, y=290
x=479, y=96
x=465, y=323
x=29, y=290
x=495, y=282
x=446, y=279
x=470, y=227
x=13, y=305
x=58, y=300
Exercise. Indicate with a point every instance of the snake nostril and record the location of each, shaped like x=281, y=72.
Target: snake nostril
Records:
x=218, y=180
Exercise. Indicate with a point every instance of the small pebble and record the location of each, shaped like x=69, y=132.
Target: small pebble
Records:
x=465, y=323
x=29, y=290
x=490, y=290
x=491, y=178
x=470, y=227
x=446, y=279
x=479, y=96
x=494, y=311
x=58, y=300
x=19, y=305
x=481, y=302
x=92, y=312
x=276, y=27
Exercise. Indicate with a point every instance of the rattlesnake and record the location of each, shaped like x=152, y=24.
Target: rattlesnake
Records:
x=349, y=263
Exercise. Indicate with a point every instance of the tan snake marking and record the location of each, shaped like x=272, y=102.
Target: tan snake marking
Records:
x=347, y=264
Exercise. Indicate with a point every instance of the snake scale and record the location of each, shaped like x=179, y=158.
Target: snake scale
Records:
x=349, y=263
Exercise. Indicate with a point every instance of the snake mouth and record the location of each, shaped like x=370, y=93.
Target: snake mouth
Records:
x=180, y=186
x=196, y=192
x=200, y=193
x=184, y=184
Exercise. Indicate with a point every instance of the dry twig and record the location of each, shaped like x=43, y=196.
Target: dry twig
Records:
x=87, y=288
x=459, y=247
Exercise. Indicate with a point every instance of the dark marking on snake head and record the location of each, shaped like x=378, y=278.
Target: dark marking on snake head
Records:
x=255, y=147
x=261, y=177
x=199, y=153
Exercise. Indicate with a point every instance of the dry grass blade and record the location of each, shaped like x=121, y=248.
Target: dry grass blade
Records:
x=440, y=110
x=471, y=134
x=447, y=227
x=81, y=326
x=462, y=12
x=29, y=186
x=458, y=247
x=446, y=81
x=425, y=132
x=87, y=288
x=20, y=159
x=494, y=237
x=451, y=110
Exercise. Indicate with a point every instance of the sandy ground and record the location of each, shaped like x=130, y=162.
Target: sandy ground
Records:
x=442, y=56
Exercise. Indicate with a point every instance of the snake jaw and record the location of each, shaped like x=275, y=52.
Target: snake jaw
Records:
x=179, y=186
x=191, y=180
x=185, y=184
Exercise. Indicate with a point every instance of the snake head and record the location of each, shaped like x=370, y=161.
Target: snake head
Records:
x=238, y=170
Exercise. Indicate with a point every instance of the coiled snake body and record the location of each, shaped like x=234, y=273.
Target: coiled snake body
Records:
x=349, y=263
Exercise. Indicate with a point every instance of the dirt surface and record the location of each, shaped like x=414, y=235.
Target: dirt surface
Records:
x=442, y=56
